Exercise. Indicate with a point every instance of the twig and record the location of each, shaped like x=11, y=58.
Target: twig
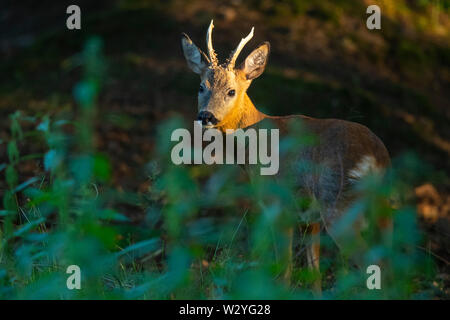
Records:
x=434, y=254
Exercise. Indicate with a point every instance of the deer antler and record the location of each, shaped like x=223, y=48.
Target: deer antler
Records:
x=211, y=53
x=239, y=48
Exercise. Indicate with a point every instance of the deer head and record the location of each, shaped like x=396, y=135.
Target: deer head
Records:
x=223, y=87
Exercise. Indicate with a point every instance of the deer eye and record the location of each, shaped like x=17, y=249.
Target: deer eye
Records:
x=201, y=89
x=231, y=93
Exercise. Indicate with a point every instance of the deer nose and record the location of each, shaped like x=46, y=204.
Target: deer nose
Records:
x=207, y=118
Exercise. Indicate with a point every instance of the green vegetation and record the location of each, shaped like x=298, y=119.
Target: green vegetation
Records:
x=85, y=177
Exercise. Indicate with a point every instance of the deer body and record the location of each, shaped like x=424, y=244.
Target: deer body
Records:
x=344, y=153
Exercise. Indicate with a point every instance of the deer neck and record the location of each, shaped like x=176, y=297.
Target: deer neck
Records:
x=244, y=114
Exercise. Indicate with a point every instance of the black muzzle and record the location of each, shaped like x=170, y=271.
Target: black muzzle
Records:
x=207, y=118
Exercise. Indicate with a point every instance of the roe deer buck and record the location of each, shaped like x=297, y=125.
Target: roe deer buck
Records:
x=346, y=151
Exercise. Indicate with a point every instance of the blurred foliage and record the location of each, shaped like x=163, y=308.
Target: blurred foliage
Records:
x=207, y=232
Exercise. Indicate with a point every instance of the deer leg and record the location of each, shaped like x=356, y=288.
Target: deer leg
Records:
x=313, y=256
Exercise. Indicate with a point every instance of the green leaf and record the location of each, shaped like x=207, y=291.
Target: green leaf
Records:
x=16, y=130
x=84, y=93
x=109, y=214
x=44, y=125
x=11, y=176
x=9, y=201
x=51, y=160
x=25, y=184
x=5, y=213
x=29, y=226
x=13, y=152
x=102, y=167
x=141, y=248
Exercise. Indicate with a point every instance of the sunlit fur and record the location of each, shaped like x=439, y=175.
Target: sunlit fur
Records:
x=232, y=112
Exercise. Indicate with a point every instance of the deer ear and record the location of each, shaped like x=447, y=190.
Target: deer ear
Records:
x=254, y=64
x=192, y=54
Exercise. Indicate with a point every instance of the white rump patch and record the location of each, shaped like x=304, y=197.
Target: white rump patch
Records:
x=366, y=165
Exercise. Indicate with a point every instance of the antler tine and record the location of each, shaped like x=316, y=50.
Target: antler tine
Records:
x=211, y=53
x=239, y=48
